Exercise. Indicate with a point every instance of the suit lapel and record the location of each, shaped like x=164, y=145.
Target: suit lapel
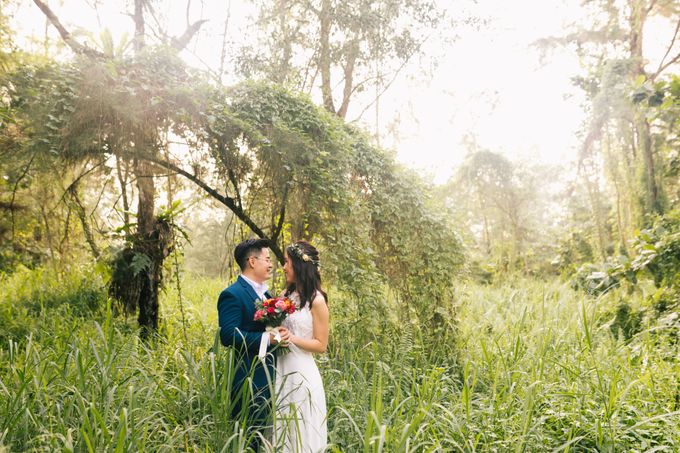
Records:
x=267, y=294
x=249, y=290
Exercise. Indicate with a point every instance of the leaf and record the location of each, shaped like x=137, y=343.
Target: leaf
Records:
x=140, y=262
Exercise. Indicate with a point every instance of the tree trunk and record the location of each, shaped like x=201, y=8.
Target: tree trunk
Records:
x=599, y=220
x=153, y=238
x=82, y=215
x=630, y=190
x=652, y=204
x=171, y=181
x=229, y=202
x=325, y=55
x=122, y=179
x=349, y=78
x=638, y=17
x=487, y=235
x=284, y=65
x=598, y=216
x=145, y=242
x=145, y=245
x=614, y=165
x=48, y=230
x=138, y=40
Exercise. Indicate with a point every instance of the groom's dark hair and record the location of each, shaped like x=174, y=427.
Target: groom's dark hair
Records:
x=248, y=248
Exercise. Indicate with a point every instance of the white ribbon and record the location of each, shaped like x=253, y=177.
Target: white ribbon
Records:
x=264, y=342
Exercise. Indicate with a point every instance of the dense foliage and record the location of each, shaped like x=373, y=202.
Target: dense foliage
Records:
x=518, y=306
x=532, y=366
x=289, y=168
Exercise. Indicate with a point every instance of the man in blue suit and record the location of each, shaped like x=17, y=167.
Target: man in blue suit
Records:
x=236, y=308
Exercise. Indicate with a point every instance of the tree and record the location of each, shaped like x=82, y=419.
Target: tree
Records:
x=503, y=206
x=353, y=44
x=283, y=166
x=295, y=170
x=139, y=132
x=621, y=151
x=617, y=46
x=25, y=230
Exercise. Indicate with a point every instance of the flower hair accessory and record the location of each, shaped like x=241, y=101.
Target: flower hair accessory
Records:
x=301, y=254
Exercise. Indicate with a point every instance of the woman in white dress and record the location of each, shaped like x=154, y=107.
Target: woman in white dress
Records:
x=301, y=400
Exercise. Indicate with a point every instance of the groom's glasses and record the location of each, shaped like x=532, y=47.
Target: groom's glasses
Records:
x=268, y=260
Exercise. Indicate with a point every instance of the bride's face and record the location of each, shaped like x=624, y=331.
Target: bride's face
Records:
x=288, y=270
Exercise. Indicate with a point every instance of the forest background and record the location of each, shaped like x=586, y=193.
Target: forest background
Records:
x=508, y=302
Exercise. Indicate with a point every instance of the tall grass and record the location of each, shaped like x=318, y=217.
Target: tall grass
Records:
x=534, y=368
x=531, y=366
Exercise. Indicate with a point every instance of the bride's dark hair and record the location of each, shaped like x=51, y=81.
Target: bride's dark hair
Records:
x=305, y=260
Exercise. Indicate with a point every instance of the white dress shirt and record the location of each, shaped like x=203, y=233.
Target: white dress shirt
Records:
x=260, y=289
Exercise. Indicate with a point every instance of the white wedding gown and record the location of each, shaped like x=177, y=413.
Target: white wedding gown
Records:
x=301, y=400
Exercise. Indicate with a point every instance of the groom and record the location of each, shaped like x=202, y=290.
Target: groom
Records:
x=236, y=309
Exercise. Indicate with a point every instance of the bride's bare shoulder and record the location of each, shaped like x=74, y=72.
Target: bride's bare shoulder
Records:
x=319, y=299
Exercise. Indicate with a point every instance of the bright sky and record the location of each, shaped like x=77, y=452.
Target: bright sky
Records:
x=489, y=84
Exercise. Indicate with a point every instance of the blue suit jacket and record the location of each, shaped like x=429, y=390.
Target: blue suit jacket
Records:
x=235, y=310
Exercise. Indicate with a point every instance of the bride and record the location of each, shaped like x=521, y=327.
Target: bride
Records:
x=301, y=401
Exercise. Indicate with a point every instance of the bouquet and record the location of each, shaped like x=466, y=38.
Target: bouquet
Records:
x=272, y=312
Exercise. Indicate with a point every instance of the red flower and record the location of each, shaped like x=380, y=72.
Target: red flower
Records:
x=273, y=311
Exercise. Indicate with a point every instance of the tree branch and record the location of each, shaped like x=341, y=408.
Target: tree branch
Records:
x=80, y=211
x=65, y=35
x=651, y=6
x=674, y=60
x=282, y=215
x=234, y=182
x=138, y=18
x=77, y=180
x=349, y=78
x=158, y=30
x=223, y=54
x=312, y=8
x=181, y=42
x=229, y=202
x=663, y=66
x=14, y=192
x=122, y=179
x=325, y=55
x=397, y=72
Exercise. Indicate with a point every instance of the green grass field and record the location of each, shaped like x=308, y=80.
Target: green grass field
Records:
x=525, y=366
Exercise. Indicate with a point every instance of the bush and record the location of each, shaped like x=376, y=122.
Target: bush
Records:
x=27, y=295
x=658, y=251
x=657, y=257
x=627, y=321
x=596, y=279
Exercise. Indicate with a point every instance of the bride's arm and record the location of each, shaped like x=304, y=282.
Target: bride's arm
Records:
x=319, y=342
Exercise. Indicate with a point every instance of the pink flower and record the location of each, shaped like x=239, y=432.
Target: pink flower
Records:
x=258, y=314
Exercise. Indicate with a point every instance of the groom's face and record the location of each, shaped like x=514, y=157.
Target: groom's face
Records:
x=262, y=265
